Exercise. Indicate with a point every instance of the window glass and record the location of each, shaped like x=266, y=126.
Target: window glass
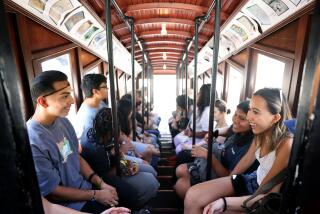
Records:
x=269, y=72
x=234, y=88
x=62, y=63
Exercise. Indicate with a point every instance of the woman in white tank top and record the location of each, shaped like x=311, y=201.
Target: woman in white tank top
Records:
x=271, y=147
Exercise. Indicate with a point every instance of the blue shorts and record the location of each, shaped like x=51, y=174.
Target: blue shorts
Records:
x=140, y=147
x=244, y=184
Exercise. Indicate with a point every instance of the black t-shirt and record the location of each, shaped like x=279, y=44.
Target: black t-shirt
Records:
x=97, y=157
x=234, y=151
x=139, y=118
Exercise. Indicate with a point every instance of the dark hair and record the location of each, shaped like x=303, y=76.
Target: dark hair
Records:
x=90, y=82
x=102, y=126
x=204, y=97
x=124, y=109
x=181, y=101
x=43, y=83
x=127, y=97
x=276, y=104
x=221, y=105
x=244, y=106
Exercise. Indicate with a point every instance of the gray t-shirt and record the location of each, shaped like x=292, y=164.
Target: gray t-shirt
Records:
x=55, y=155
x=84, y=119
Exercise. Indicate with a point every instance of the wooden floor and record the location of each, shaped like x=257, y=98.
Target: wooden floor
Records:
x=166, y=201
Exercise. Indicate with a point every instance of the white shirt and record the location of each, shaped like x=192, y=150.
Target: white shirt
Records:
x=266, y=163
x=202, y=121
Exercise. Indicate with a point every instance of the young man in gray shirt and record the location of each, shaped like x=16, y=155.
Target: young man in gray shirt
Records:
x=63, y=175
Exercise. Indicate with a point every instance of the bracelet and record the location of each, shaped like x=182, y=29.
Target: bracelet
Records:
x=91, y=176
x=100, y=183
x=93, y=198
x=225, y=204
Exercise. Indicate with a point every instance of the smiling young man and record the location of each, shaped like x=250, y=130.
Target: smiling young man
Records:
x=63, y=175
x=95, y=89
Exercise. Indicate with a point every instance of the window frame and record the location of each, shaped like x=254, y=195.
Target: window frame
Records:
x=286, y=57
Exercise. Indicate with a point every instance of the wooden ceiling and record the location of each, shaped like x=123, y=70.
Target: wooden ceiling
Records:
x=150, y=15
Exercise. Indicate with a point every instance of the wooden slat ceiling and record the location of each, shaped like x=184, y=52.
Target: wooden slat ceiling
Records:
x=177, y=15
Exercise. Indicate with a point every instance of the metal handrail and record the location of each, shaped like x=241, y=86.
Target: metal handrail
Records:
x=213, y=84
x=111, y=78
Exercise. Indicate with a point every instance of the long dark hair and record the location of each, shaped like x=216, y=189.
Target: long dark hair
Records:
x=124, y=110
x=102, y=126
x=204, y=98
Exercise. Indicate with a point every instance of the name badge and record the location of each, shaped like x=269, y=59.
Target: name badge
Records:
x=64, y=149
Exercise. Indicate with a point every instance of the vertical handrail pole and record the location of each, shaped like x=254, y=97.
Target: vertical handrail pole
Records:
x=142, y=92
x=148, y=94
x=177, y=79
x=131, y=22
x=151, y=87
x=186, y=74
x=213, y=83
x=117, y=84
x=195, y=78
x=111, y=80
x=182, y=76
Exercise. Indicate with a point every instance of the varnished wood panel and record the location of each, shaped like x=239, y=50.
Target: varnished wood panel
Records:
x=87, y=58
x=41, y=38
x=241, y=58
x=283, y=39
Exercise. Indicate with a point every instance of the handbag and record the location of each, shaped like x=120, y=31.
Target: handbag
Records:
x=269, y=204
x=128, y=168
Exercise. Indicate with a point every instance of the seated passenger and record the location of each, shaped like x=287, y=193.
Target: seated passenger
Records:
x=133, y=148
x=95, y=89
x=136, y=188
x=220, y=113
x=184, y=139
x=271, y=147
x=63, y=175
x=225, y=155
x=180, y=118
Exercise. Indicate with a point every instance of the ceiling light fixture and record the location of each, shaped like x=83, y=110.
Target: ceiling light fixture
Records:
x=163, y=30
x=164, y=67
x=164, y=56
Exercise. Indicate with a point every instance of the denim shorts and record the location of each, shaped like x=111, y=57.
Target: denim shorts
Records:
x=244, y=184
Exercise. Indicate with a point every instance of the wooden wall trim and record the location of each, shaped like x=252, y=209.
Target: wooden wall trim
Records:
x=25, y=47
x=225, y=81
x=300, y=54
x=76, y=77
x=53, y=51
x=92, y=65
x=36, y=19
x=247, y=83
x=274, y=51
x=235, y=64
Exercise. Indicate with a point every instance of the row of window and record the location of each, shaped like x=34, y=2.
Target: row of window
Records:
x=270, y=72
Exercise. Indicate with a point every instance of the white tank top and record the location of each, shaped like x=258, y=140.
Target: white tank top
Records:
x=266, y=163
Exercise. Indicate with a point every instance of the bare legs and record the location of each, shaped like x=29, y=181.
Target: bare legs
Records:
x=183, y=183
x=202, y=194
